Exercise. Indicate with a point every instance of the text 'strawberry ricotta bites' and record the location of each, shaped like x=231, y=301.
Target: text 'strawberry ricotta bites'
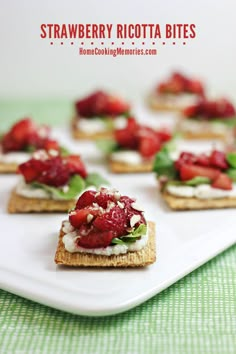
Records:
x=175, y=93
x=209, y=119
x=50, y=182
x=97, y=115
x=197, y=181
x=133, y=147
x=106, y=229
x=24, y=137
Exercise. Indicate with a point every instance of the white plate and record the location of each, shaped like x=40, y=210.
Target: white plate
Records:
x=185, y=240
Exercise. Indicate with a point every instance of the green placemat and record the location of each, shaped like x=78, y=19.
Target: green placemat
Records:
x=197, y=315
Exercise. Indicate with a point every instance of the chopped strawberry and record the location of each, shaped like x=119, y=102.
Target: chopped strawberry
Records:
x=130, y=211
x=115, y=106
x=87, y=198
x=195, y=86
x=207, y=110
x=22, y=129
x=114, y=220
x=78, y=217
x=188, y=172
x=31, y=169
x=185, y=158
x=100, y=103
x=149, y=145
x=50, y=144
x=164, y=135
x=222, y=182
x=203, y=160
x=54, y=173
x=103, y=199
x=218, y=159
x=179, y=83
x=125, y=138
x=96, y=239
x=75, y=165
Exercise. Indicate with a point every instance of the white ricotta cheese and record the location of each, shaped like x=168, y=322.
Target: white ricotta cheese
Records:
x=128, y=156
x=70, y=237
x=14, y=157
x=195, y=126
x=203, y=191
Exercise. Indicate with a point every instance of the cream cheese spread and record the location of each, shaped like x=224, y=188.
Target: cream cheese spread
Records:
x=203, y=191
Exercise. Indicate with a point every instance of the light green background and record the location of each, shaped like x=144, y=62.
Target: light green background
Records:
x=197, y=315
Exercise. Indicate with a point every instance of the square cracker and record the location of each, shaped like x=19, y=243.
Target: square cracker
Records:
x=120, y=167
x=140, y=258
x=180, y=203
x=19, y=204
x=8, y=167
x=78, y=134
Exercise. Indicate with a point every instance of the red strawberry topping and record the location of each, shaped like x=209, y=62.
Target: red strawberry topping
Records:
x=179, y=83
x=101, y=216
x=210, y=110
x=100, y=104
x=211, y=166
x=145, y=140
x=51, y=170
x=25, y=135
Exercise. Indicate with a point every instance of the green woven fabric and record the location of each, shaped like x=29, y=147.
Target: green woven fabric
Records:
x=197, y=315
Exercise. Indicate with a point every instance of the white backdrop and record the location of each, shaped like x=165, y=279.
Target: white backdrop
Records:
x=30, y=67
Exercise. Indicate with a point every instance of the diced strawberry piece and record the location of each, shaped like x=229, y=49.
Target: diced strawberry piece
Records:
x=126, y=139
x=78, y=217
x=203, y=160
x=8, y=144
x=115, y=106
x=92, y=105
x=96, y=239
x=87, y=198
x=114, y=220
x=103, y=199
x=188, y=172
x=54, y=173
x=191, y=111
x=149, y=145
x=164, y=135
x=75, y=165
x=130, y=211
x=185, y=158
x=31, y=169
x=218, y=159
x=195, y=86
x=50, y=144
x=22, y=129
x=222, y=182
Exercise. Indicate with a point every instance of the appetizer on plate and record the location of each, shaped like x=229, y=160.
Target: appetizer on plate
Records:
x=197, y=181
x=51, y=182
x=177, y=92
x=134, y=147
x=17, y=145
x=209, y=120
x=97, y=115
x=106, y=229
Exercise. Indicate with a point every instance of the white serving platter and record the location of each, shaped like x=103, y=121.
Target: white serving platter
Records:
x=185, y=240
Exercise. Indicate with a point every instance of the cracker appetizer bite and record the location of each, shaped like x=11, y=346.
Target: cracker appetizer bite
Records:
x=177, y=92
x=134, y=147
x=106, y=229
x=209, y=120
x=204, y=181
x=17, y=145
x=51, y=182
x=97, y=115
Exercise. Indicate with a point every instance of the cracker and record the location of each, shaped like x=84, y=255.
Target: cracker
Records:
x=78, y=134
x=181, y=203
x=204, y=135
x=18, y=204
x=140, y=258
x=8, y=167
x=120, y=167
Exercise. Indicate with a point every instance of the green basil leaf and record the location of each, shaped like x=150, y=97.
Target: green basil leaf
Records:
x=75, y=187
x=232, y=174
x=107, y=146
x=231, y=158
x=197, y=180
x=164, y=165
x=94, y=179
